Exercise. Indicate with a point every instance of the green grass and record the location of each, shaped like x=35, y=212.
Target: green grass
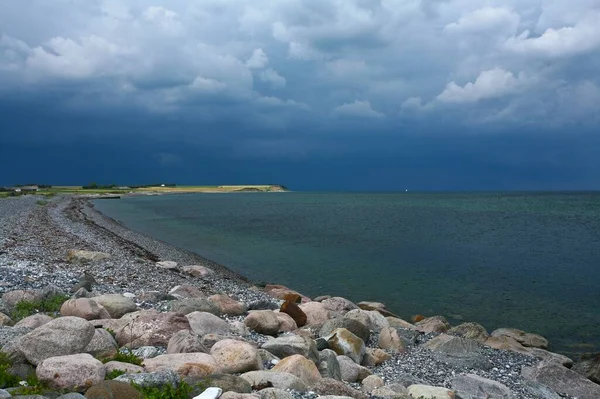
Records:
x=114, y=374
x=182, y=391
x=7, y=380
x=127, y=357
x=33, y=387
x=28, y=308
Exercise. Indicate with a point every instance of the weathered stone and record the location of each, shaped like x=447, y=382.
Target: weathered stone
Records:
x=33, y=321
x=146, y=352
x=62, y=336
x=167, y=264
x=354, y=326
x=316, y=313
x=151, y=328
x=429, y=392
x=185, y=341
x=102, y=345
x=407, y=380
x=263, y=322
x=389, y=339
x=203, y=323
x=274, y=379
x=186, y=291
x=562, y=380
x=351, y=371
x=372, y=319
x=263, y=304
x=5, y=320
x=197, y=271
x=374, y=357
x=84, y=286
x=209, y=340
x=71, y=395
x=589, y=367
x=294, y=312
x=473, y=331
x=343, y=342
x=525, y=339
x=301, y=367
x=227, y=382
x=371, y=382
x=117, y=305
x=437, y=324
x=86, y=256
x=110, y=324
x=396, y=322
x=72, y=372
x=458, y=352
x=551, y=356
x=157, y=379
x=274, y=393
x=185, y=364
x=238, y=328
x=378, y=307
x=234, y=356
x=235, y=395
x=189, y=305
x=128, y=368
x=85, y=308
x=339, y=305
x=471, y=386
x=328, y=365
x=281, y=291
x=329, y=386
x=228, y=305
x=4, y=394
x=154, y=296
x=292, y=345
x=389, y=393
x=506, y=343
x=321, y=298
x=11, y=298
x=286, y=323
x=113, y=390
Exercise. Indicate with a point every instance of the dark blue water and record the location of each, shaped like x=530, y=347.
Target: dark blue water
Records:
x=529, y=261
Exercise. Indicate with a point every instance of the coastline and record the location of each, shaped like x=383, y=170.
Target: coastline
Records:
x=36, y=239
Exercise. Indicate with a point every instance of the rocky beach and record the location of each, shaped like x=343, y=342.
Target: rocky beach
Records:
x=91, y=308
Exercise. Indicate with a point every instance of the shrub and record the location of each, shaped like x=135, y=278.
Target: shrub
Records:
x=114, y=374
x=182, y=391
x=7, y=380
x=125, y=357
x=27, y=308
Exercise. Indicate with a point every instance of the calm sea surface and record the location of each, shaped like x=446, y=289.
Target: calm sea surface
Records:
x=523, y=260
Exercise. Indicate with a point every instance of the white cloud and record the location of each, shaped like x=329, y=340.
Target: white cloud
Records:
x=489, y=84
x=485, y=20
x=257, y=60
x=271, y=77
x=360, y=109
x=565, y=41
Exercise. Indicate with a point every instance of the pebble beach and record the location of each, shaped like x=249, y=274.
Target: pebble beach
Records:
x=263, y=341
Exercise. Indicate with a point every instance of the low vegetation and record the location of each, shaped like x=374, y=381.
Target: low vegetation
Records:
x=124, y=357
x=47, y=305
x=181, y=391
x=114, y=374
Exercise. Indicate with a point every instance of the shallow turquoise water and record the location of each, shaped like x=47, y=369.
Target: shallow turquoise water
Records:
x=530, y=261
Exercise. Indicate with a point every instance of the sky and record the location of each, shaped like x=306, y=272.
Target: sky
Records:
x=313, y=94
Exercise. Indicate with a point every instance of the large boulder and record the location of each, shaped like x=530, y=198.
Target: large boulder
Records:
x=551, y=356
x=263, y=322
x=471, y=386
x=185, y=341
x=203, y=323
x=473, y=331
x=390, y=340
x=374, y=321
x=507, y=344
x=339, y=305
x=128, y=368
x=274, y=393
x=292, y=345
x=352, y=372
x=286, y=323
x=113, y=390
x=589, y=367
x=283, y=292
x=328, y=365
x=85, y=308
x=72, y=372
x=63, y=336
x=234, y=356
x=197, y=271
x=155, y=379
x=458, y=352
x=396, y=322
x=33, y=321
x=525, y=339
x=562, y=380
x=343, y=342
x=102, y=345
x=167, y=264
x=11, y=298
x=301, y=367
x=434, y=324
x=184, y=364
x=371, y=383
x=280, y=380
x=354, y=326
x=316, y=313
x=5, y=320
x=151, y=328
x=228, y=305
x=329, y=386
x=429, y=392
x=294, y=312
x=376, y=306
x=117, y=305
x=186, y=291
x=189, y=305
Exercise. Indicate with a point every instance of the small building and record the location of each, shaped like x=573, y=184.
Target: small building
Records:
x=30, y=188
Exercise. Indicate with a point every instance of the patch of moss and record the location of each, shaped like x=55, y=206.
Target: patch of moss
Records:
x=182, y=391
x=125, y=357
x=114, y=374
x=28, y=308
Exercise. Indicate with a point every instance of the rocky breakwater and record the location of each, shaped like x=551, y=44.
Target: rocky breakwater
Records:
x=185, y=343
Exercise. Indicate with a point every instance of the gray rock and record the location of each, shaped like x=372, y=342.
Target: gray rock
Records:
x=4, y=394
x=339, y=305
x=102, y=345
x=589, y=367
x=437, y=324
x=263, y=304
x=116, y=304
x=472, y=331
x=562, y=380
x=352, y=372
x=328, y=365
x=203, y=323
x=72, y=395
x=539, y=390
x=388, y=393
x=146, y=352
x=458, y=352
x=374, y=320
x=185, y=341
x=156, y=379
x=189, y=305
x=471, y=386
x=77, y=255
x=62, y=336
x=329, y=386
x=524, y=338
x=167, y=264
x=274, y=393
x=34, y=321
x=274, y=379
x=343, y=342
x=263, y=322
x=371, y=383
x=354, y=326
x=407, y=380
x=209, y=340
x=227, y=382
x=551, y=356
x=292, y=345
